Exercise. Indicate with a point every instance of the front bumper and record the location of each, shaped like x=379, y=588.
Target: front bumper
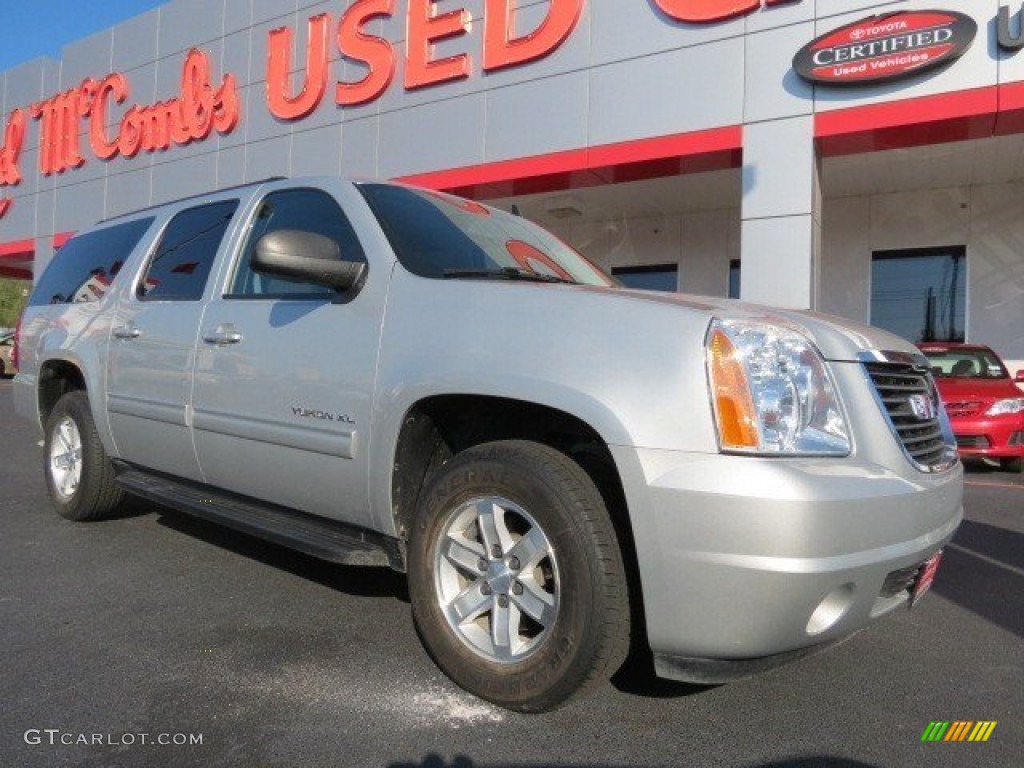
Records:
x=998, y=437
x=743, y=558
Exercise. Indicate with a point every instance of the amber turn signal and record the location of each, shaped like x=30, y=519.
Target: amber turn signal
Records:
x=734, y=405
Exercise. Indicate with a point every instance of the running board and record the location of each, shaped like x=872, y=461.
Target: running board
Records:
x=317, y=536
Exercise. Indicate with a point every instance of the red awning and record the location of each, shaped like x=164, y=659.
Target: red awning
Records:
x=17, y=258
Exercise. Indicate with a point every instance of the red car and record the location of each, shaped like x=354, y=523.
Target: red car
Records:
x=984, y=405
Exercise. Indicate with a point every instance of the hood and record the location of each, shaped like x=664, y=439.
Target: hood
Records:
x=954, y=388
x=838, y=339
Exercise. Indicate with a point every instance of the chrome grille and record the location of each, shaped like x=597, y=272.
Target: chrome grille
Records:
x=898, y=386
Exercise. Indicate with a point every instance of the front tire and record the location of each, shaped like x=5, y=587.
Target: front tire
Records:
x=516, y=577
x=79, y=475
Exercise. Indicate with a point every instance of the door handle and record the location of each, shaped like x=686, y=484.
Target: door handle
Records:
x=127, y=332
x=222, y=336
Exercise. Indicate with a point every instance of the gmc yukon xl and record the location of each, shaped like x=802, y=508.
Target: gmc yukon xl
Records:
x=384, y=376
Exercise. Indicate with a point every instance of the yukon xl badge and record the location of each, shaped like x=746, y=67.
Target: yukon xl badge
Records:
x=886, y=47
x=315, y=413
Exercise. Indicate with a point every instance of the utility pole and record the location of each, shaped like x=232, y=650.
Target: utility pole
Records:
x=928, y=334
x=952, y=298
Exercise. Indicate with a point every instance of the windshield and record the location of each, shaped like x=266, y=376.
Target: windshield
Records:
x=441, y=236
x=974, y=363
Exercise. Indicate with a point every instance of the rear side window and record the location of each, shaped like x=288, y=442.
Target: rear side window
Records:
x=181, y=263
x=84, y=268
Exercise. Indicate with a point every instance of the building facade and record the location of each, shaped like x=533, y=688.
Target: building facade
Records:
x=864, y=159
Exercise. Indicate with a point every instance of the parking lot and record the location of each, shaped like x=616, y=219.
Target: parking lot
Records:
x=120, y=635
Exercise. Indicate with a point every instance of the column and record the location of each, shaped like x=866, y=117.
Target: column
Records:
x=781, y=213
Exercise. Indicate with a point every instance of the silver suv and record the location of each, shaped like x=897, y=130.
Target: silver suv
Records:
x=384, y=376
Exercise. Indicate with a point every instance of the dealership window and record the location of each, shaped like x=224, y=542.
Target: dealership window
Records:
x=656, y=277
x=920, y=293
x=734, y=278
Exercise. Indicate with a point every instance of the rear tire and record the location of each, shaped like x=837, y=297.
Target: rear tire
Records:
x=516, y=577
x=1014, y=464
x=79, y=474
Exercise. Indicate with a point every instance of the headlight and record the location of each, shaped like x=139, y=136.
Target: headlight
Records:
x=1004, y=407
x=771, y=392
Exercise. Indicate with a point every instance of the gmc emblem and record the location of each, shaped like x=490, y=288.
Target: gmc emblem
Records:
x=922, y=407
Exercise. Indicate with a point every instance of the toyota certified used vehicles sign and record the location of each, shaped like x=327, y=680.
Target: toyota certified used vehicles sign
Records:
x=886, y=47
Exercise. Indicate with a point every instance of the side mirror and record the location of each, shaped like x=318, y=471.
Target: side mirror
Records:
x=305, y=257
x=1019, y=378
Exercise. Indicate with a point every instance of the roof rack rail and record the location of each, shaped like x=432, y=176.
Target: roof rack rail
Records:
x=190, y=197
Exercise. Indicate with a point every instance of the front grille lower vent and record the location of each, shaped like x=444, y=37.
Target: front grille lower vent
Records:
x=908, y=397
x=972, y=441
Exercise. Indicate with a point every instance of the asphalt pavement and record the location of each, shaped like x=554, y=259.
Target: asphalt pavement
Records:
x=122, y=635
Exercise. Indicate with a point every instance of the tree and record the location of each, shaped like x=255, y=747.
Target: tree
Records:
x=13, y=295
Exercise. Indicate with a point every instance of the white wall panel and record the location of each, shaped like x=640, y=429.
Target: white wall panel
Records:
x=706, y=255
x=135, y=41
x=846, y=258
x=537, y=118
x=46, y=209
x=920, y=219
x=183, y=176
x=644, y=241
x=668, y=93
x=778, y=167
x=317, y=152
x=80, y=205
x=130, y=191
x=778, y=267
x=359, y=143
x=785, y=15
x=771, y=87
x=88, y=57
x=433, y=137
x=995, y=268
x=185, y=24
x=268, y=158
x=626, y=30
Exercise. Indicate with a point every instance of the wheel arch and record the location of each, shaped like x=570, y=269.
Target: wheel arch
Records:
x=437, y=427
x=57, y=377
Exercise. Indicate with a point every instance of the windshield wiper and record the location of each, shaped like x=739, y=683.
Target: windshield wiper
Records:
x=505, y=273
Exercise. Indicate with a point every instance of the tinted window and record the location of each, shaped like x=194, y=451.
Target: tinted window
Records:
x=83, y=269
x=437, y=235
x=921, y=293
x=734, y=278
x=181, y=263
x=308, y=210
x=664, y=277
